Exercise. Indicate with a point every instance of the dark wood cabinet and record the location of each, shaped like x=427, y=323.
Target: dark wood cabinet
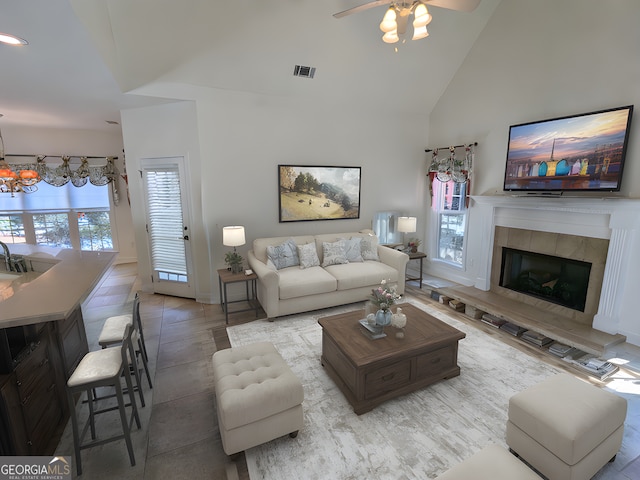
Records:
x=33, y=407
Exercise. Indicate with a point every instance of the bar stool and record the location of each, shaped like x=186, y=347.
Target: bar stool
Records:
x=113, y=332
x=102, y=368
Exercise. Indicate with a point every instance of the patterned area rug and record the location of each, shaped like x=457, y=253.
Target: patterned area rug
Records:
x=419, y=435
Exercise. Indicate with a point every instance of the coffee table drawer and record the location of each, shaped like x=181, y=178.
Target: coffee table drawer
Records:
x=433, y=363
x=387, y=378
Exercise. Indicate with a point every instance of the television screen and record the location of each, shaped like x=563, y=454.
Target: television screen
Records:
x=576, y=153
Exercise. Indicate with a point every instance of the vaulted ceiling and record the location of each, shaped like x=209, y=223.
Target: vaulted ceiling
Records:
x=88, y=59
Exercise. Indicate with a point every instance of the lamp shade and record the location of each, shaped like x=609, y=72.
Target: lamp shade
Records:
x=419, y=33
x=233, y=236
x=389, y=23
x=407, y=224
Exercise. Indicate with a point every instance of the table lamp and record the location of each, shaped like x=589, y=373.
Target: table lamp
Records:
x=407, y=225
x=233, y=236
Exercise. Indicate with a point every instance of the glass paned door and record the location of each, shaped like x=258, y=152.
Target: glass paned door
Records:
x=167, y=228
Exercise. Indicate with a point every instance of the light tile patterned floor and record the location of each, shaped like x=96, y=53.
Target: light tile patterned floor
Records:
x=179, y=436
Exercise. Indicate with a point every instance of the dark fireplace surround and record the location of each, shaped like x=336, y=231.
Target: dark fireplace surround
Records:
x=577, y=250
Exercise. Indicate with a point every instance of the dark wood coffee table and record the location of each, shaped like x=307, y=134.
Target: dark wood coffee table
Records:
x=369, y=372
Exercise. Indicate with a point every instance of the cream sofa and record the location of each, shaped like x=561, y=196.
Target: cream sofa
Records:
x=283, y=290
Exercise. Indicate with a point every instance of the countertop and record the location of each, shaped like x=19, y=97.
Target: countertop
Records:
x=56, y=293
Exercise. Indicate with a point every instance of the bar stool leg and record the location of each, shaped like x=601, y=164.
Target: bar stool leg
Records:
x=132, y=398
x=145, y=361
x=125, y=423
x=74, y=429
x=92, y=418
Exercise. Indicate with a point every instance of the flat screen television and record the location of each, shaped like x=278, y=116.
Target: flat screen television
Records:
x=583, y=152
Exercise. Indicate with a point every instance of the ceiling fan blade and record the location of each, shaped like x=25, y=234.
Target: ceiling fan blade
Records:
x=459, y=5
x=361, y=8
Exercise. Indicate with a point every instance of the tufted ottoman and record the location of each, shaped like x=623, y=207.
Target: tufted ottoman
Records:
x=492, y=462
x=565, y=428
x=258, y=397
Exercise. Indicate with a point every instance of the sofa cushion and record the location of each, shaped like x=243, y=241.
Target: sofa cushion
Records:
x=308, y=255
x=334, y=253
x=296, y=282
x=284, y=255
x=260, y=244
x=369, y=248
x=364, y=274
x=353, y=249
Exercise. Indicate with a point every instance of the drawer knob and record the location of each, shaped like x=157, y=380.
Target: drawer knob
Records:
x=388, y=377
x=26, y=400
x=436, y=360
x=44, y=362
x=19, y=383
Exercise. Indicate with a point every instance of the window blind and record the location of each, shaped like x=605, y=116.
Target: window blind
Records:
x=165, y=218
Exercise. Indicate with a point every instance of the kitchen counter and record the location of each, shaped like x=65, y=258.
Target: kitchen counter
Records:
x=42, y=340
x=59, y=290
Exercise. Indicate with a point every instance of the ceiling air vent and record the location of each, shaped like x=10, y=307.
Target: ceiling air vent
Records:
x=302, y=71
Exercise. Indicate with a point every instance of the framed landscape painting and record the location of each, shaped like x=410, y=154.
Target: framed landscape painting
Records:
x=318, y=193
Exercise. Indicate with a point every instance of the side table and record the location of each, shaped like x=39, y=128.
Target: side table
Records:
x=416, y=256
x=226, y=277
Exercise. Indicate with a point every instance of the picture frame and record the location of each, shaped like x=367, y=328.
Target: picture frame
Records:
x=314, y=192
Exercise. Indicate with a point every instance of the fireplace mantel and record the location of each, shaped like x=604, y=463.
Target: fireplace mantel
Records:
x=615, y=219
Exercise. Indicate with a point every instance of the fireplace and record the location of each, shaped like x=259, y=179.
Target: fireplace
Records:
x=539, y=251
x=554, y=279
x=604, y=232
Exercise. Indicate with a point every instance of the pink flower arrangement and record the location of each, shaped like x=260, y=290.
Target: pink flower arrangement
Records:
x=383, y=296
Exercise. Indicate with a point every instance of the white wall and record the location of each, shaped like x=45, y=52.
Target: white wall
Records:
x=538, y=60
x=242, y=139
x=169, y=130
x=58, y=142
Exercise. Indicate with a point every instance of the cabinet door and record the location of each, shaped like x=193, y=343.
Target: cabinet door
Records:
x=72, y=339
x=15, y=437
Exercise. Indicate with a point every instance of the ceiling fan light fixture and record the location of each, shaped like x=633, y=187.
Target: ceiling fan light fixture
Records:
x=12, y=39
x=421, y=16
x=389, y=23
x=390, y=37
x=420, y=32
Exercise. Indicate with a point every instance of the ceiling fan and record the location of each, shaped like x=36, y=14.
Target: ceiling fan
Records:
x=397, y=16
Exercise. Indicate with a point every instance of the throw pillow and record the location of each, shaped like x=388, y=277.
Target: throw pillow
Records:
x=308, y=255
x=352, y=249
x=284, y=255
x=369, y=248
x=333, y=253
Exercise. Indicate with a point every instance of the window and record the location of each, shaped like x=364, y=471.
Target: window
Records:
x=52, y=229
x=66, y=217
x=95, y=230
x=12, y=229
x=451, y=220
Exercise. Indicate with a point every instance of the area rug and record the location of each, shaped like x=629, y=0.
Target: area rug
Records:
x=419, y=435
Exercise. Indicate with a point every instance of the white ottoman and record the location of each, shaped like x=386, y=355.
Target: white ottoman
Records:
x=565, y=428
x=258, y=397
x=490, y=463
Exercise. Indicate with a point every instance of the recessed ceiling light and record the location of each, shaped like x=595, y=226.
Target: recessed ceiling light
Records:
x=12, y=39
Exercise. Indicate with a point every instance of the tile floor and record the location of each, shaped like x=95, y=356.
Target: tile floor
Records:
x=179, y=437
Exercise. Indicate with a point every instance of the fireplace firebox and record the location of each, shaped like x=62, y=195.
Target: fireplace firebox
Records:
x=558, y=280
